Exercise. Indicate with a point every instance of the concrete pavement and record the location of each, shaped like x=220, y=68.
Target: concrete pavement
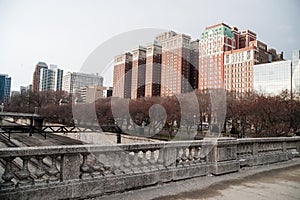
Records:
x=277, y=181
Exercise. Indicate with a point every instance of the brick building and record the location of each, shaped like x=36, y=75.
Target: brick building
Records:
x=122, y=75
x=214, y=41
x=138, y=72
x=36, y=76
x=175, y=69
x=153, y=70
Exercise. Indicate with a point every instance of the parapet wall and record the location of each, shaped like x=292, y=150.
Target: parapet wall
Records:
x=66, y=172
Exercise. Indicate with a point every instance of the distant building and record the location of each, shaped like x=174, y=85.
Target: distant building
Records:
x=36, y=76
x=227, y=57
x=138, y=72
x=108, y=92
x=175, y=68
x=15, y=93
x=194, y=74
x=91, y=93
x=273, y=78
x=74, y=81
x=122, y=75
x=24, y=89
x=153, y=70
x=214, y=41
x=5, y=88
x=51, y=79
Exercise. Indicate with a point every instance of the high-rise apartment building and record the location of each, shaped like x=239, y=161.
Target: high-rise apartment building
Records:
x=238, y=72
x=51, y=79
x=122, y=75
x=138, y=72
x=214, y=41
x=153, y=70
x=5, y=88
x=175, y=68
x=227, y=57
x=73, y=81
x=36, y=76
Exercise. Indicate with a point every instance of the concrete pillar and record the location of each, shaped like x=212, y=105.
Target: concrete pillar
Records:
x=298, y=147
x=224, y=156
x=255, y=149
x=70, y=167
x=283, y=146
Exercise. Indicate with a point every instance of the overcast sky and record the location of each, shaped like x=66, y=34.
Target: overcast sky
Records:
x=66, y=32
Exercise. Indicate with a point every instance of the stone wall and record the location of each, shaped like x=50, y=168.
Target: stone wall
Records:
x=66, y=172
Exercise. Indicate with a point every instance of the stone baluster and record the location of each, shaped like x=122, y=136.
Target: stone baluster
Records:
x=108, y=167
x=160, y=159
x=8, y=175
x=152, y=157
x=178, y=156
x=135, y=162
x=184, y=156
x=190, y=154
x=144, y=160
x=284, y=146
x=53, y=171
x=127, y=164
x=97, y=167
x=255, y=149
x=85, y=168
x=40, y=171
x=117, y=163
x=24, y=174
x=196, y=156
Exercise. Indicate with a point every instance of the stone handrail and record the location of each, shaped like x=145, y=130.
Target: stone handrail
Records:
x=83, y=171
x=259, y=151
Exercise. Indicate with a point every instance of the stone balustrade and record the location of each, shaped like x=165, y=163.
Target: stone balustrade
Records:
x=83, y=171
x=260, y=151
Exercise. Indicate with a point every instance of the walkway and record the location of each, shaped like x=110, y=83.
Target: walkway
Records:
x=278, y=181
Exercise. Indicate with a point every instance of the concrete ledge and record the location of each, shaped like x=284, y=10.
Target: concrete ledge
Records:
x=225, y=167
x=98, y=186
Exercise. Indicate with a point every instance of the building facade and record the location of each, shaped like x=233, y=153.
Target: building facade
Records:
x=175, y=68
x=273, y=78
x=138, y=72
x=91, y=93
x=73, y=81
x=122, y=75
x=51, y=79
x=37, y=75
x=153, y=70
x=5, y=88
x=24, y=89
x=214, y=41
x=194, y=74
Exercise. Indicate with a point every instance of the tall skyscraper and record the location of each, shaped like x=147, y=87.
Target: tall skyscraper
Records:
x=36, y=76
x=73, y=81
x=5, y=88
x=153, y=70
x=122, y=75
x=175, y=68
x=138, y=72
x=51, y=79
